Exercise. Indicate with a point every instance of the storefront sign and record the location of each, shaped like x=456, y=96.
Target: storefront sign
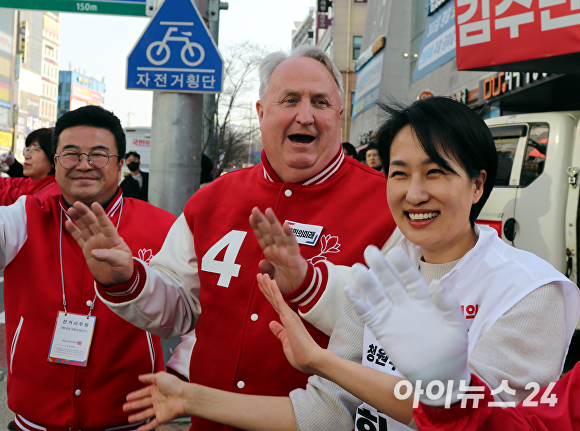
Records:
x=498, y=32
x=323, y=21
x=368, y=85
x=434, y=5
x=368, y=53
x=6, y=140
x=30, y=82
x=323, y=5
x=5, y=43
x=438, y=42
x=505, y=82
x=92, y=97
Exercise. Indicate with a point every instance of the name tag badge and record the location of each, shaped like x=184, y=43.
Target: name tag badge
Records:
x=71, y=341
x=306, y=234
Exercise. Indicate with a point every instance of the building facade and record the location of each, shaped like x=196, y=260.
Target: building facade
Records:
x=419, y=60
x=36, y=73
x=49, y=73
x=339, y=33
x=303, y=34
x=76, y=90
x=7, y=70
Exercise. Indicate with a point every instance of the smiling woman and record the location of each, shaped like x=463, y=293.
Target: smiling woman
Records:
x=36, y=175
x=520, y=311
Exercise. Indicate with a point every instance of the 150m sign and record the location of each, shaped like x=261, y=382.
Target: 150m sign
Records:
x=87, y=7
x=106, y=7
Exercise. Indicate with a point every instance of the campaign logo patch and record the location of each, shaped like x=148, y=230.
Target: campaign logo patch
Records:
x=306, y=234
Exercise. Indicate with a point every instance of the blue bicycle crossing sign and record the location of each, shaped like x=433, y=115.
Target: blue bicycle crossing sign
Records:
x=175, y=53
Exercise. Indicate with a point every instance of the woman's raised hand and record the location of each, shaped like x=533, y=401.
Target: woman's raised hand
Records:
x=283, y=261
x=300, y=349
x=162, y=401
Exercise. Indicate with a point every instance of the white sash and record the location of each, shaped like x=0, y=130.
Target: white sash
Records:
x=489, y=280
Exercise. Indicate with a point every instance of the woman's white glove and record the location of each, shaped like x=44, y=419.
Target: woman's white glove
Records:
x=7, y=158
x=421, y=327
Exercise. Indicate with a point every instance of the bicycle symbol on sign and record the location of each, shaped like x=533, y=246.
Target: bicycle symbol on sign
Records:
x=162, y=54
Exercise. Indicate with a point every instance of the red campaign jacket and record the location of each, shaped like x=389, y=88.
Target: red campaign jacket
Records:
x=65, y=397
x=563, y=416
x=12, y=188
x=351, y=207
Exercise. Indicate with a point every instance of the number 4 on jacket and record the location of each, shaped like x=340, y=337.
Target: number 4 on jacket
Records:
x=228, y=268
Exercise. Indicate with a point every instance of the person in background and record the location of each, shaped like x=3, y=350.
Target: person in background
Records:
x=135, y=185
x=36, y=176
x=373, y=158
x=206, y=171
x=349, y=150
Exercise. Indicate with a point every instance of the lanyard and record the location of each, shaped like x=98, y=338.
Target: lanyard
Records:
x=61, y=268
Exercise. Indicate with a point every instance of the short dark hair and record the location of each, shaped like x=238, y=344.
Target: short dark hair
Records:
x=43, y=137
x=444, y=127
x=133, y=153
x=206, y=171
x=350, y=149
x=93, y=116
x=371, y=147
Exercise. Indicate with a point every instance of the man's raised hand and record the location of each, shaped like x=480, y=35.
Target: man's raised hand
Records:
x=283, y=261
x=107, y=255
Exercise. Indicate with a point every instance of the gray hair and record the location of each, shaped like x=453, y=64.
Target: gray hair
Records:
x=271, y=61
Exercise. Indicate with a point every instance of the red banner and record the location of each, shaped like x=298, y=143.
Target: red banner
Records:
x=495, y=32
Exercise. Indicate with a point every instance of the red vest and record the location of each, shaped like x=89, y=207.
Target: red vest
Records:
x=43, y=392
x=235, y=349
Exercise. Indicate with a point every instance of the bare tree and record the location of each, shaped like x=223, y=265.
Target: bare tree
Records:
x=240, y=79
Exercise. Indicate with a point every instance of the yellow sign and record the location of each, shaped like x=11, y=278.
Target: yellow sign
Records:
x=51, y=26
x=5, y=140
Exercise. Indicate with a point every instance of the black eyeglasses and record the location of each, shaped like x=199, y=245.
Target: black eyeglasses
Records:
x=97, y=159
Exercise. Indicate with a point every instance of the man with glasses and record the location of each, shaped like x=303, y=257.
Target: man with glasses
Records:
x=70, y=359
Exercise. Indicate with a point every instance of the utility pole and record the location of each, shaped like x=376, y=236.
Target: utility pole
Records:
x=214, y=8
x=176, y=143
x=20, y=36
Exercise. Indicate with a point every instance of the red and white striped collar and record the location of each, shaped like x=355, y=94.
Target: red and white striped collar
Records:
x=112, y=209
x=319, y=178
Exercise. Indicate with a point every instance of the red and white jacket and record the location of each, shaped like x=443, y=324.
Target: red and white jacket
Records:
x=536, y=414
x=12, y=188
x=209, y=263
x=47, y=395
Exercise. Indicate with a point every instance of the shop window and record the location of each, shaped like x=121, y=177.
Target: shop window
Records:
x=356, y=44
x=535, y=155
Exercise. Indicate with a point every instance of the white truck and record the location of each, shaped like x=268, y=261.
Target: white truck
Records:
x=138, y=140
x=534, y=204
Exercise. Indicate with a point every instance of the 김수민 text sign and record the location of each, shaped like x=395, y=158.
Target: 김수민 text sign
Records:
x=495, y=32
x=175, y=53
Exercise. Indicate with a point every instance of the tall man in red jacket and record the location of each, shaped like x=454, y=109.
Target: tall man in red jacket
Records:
x=204, y=277
x=70, y=359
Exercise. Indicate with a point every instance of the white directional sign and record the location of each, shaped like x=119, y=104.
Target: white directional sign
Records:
x=175, y=53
